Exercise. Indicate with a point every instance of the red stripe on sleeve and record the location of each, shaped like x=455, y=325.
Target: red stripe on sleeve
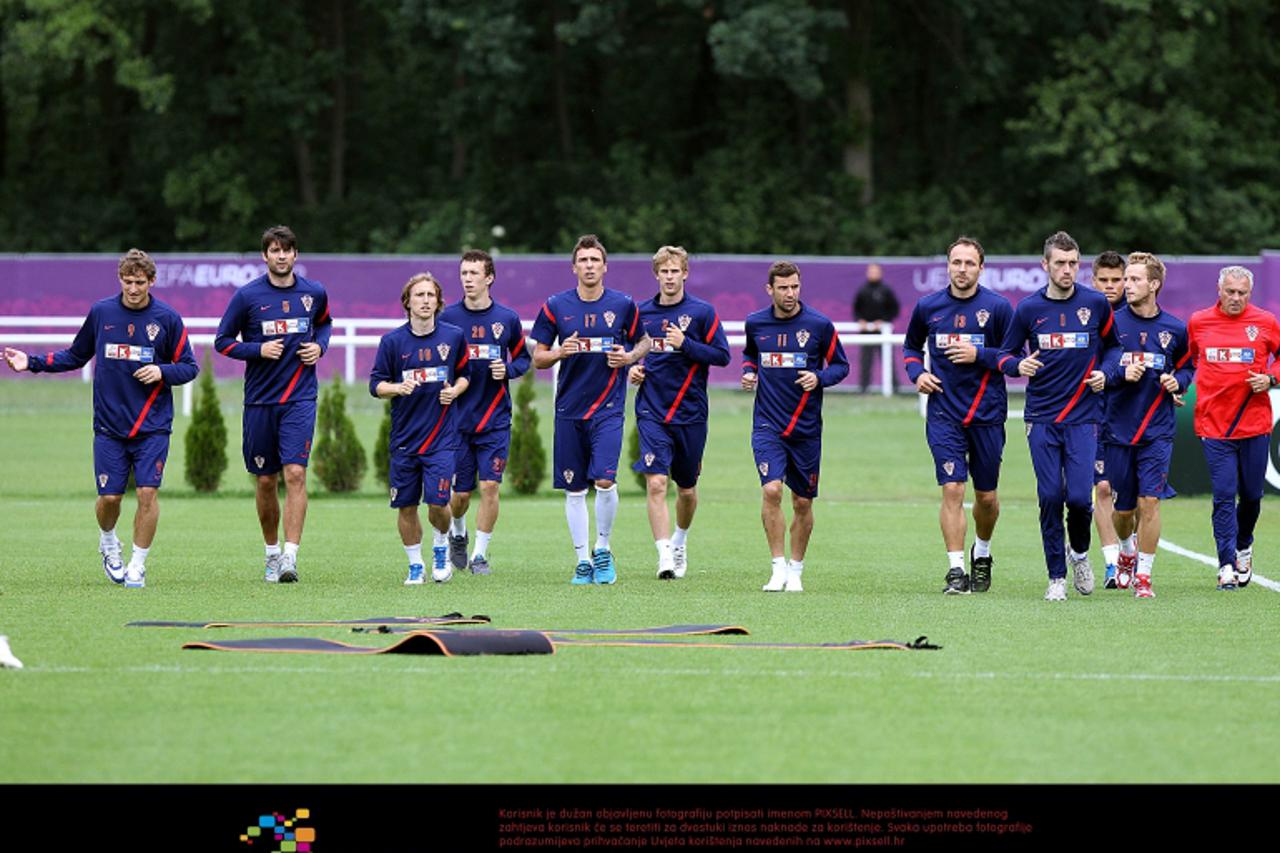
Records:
x=750, y=364
x=547, y=310
x=1111, y=319
x=515, y=350
x=229, y=348
x=912, y=358
x=831, y=350
x=181, y=343
x=48, y=359
x=137, y=425
x=795, y=416
x=324, y=316
x=680, y=396
x=1071, y=405
x=635, y=320
x=715, y=324
x=502, y=392
x=1000, y=363
x=1185, y=358
x=466, y=356
x=284, y=398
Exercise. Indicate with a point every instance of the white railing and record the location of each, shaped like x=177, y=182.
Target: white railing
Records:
x=352, y=335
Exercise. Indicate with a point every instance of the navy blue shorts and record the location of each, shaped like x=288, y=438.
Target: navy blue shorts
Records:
x=674, y=448
x=421, y=479
x=481, y=456
x=586, y=451
x=795, y=461
x=1063, y=457
x=114, y=458
x=1139, y=471
x=278, y=435
x=961, y=452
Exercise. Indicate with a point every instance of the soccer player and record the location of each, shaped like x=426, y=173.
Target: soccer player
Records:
x=792, y=353
x=278, y=324
x=962, y=327
x=671, y=405
x=1235, y=347
x=497, y=354
x=419, y=367
x=1069, y=328
x=593, y=326
x=1108, y=278
x=142, y=351
x=1143, y=377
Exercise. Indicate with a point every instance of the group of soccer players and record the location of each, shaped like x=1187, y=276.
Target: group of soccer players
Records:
x=1105, y=368
x=1105, y=371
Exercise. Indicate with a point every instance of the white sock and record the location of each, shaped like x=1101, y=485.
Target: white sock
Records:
x=664, y=548
x=108, y=538
x=678, y=538
x=482, y=544
x=1110, y=554
x=139, y=558
x=1129, y=544
x=606, y=511
x=575, y=512
x=291, y=549
x=1146, y=562
x=956, y=559
x=981, y=548
x=779, y=565
x=458, y=526
x=273, y=550
x=414, y=553
x=1074, y=555
x=795, y=567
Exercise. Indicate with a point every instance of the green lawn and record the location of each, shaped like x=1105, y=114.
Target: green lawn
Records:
x=1182, y=688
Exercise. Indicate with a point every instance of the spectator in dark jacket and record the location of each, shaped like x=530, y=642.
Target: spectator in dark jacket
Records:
x=875, y=307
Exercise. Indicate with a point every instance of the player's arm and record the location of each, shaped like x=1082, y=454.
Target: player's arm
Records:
x=913, y=347
x=750, y=361
x=1009, y=359
x=712, y=347
x=545, y=329
x=518, y=352
x=228, y=340
x=636, y=336
x=380, y=378
x=73, y=357
x=181, y=367
x=1178, y=380
x=837, y=363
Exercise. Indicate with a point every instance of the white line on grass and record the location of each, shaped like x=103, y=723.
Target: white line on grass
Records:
x=1213, y=561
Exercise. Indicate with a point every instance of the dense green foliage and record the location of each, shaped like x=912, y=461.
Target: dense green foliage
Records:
x=756, y=126
x=339, y=459
x=206, y=450
x=527, y=458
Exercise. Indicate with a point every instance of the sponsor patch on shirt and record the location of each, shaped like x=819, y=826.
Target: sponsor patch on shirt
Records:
x=782, y=359
x=130, y=352
x=484, y=352
x=595, y=344
x=292, y=326
x=1230, y=355
x=660, y=345
x=424, y=375
x=1063, y=340
x=1154, y=360
x=942, y=340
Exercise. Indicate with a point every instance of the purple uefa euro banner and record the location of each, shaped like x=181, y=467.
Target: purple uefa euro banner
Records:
x=366, y=287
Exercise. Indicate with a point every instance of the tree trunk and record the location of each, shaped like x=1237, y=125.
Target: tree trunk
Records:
x=458, y=166
x=338, y=126
x=562, y=96
x=857, y=97
x=306, y=180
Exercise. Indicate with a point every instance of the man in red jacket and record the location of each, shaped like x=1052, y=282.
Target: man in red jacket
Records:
x=1236, y=349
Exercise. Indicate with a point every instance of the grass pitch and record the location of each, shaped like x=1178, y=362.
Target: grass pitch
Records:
x=1182, y=688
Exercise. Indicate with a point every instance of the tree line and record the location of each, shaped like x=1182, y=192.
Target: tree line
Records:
x=734, y=126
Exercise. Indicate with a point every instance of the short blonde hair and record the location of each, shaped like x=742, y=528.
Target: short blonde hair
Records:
x=418, y=278
x=666, y=253
x=1155, y=266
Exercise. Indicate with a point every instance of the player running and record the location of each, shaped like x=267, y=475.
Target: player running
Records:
x=279, y=325
x=1108, y=279
x=420, y=368
x=1235, y=347
x=497, y=352
x=142, y=350
x=1068, y=329
x=593, y=326
x=671, y=404
x=962, y=327
x=792, y=353
x=1143, y=376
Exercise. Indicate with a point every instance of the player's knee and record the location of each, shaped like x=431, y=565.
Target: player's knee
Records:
x=689, y=494
x=953, y=493
x=146, y=497
x=604, y=485
x=295, y=476
x=986, y=501
x=488, y=489
x=111, y=500
x=772, y=492
x=1103, y=490
x=657, y=485
x=1148, y=506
